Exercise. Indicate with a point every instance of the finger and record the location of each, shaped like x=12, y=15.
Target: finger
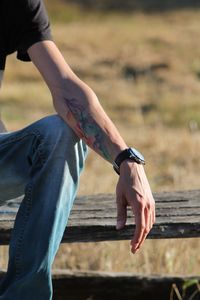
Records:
x=151, y=220
x=154, y=216
x=139, y=231
x=148, y=220
x=121, y=212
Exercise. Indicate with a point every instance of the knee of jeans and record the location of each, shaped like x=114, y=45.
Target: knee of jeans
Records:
x=55, y=128
x=56, y=131
x=67, y=136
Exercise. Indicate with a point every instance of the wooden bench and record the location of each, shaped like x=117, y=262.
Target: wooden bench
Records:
x=93, y=219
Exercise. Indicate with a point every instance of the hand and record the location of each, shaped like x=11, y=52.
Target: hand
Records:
x=133, y=190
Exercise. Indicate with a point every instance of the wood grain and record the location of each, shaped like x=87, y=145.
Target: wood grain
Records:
x=93, y=218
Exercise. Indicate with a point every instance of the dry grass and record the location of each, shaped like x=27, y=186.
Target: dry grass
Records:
x=159, y=113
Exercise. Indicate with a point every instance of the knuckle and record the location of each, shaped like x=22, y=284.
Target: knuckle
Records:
x=148, y=206
x=141, y=205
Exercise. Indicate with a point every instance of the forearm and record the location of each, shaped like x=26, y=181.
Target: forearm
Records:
x=75, y=102
x=78, y=105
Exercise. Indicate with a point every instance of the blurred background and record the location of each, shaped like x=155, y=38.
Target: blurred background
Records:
x=142, y=58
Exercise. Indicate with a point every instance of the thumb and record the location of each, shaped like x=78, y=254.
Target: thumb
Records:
x=121, y=213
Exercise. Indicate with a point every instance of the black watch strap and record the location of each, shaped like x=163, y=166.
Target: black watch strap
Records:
x=129, y=153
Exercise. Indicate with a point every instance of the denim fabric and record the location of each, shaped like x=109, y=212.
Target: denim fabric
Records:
x=42, y=161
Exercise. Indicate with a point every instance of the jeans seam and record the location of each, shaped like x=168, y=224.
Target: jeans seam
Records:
x=40, y=147
x=14, y=139
x=35, y=133
x=28, y=200
x=26, y=213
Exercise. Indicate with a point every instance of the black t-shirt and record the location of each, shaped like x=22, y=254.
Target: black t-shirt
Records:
x=22, y=24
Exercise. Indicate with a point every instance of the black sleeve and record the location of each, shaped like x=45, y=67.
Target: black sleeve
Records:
x=35, y=27
x=2, y=61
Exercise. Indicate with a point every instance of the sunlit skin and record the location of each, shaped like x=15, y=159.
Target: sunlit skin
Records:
x=87, y=129
x=78, y=105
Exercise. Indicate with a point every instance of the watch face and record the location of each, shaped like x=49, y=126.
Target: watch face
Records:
x=137, y=154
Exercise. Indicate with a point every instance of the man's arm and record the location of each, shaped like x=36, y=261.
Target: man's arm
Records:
x=78, y=105
x=75, y=102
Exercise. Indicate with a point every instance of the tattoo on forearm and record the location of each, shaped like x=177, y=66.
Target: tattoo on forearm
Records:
x=87, y=128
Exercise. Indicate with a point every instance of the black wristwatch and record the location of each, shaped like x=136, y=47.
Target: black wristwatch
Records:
x=130, y=154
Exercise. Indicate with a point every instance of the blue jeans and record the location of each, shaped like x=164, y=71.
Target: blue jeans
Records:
x=42, y=161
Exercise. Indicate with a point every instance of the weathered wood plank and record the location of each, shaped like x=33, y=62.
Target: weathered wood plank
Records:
x=106, y=285
x=93, y=218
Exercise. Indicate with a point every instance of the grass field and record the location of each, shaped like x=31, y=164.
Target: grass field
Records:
x=145, y=70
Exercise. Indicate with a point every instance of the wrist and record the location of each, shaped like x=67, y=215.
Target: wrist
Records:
x=128, y=166
x=128, y=157
x=117, y=150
